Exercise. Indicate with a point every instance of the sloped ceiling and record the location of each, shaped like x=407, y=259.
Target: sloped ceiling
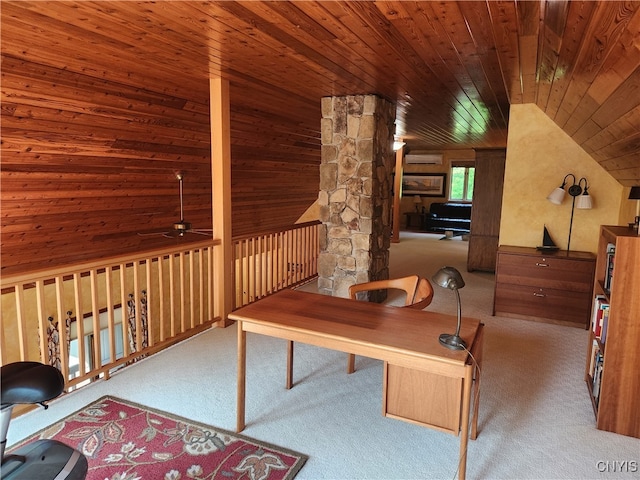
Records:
x=452, y=68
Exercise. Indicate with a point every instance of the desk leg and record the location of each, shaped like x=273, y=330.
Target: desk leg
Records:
x=476, y=402
x=478, y=371
x=464, y=427
x=242, y=374
x=289, y=383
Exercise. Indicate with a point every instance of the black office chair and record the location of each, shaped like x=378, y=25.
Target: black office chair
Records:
x=31, y=383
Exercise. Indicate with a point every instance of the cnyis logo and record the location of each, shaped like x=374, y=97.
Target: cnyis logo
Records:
x=617, y=466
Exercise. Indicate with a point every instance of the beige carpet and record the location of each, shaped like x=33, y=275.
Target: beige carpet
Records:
x=536, y=419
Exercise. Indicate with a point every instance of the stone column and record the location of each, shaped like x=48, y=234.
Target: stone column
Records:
x=355, y=192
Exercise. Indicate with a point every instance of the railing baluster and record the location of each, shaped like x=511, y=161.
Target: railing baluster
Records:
x=279, y=270
x=42, y=319
x=298, y=254
x=125, y=317
x=191, y=290
x=252, y=270
x=201, y=284
x=257, y=265
x=244, y=264
x=95, y=312
x=77, y=282
x=136, y=300
x=22, y=327
x=63, y=334
x=286, y=264
x=257, y=268
x=150, y=310
x=210, y=311
x=309, y=252
x=161, y=295
x=182, y=294
x=264, y=253
x=269, y=273
x=111, y=325
x=172, y=293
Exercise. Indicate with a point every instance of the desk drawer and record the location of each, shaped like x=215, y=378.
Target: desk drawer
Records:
x=545, y=272
x=545, y=303
x=424, y=398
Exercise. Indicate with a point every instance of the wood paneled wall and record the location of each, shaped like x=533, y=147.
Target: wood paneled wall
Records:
x=275, y=157
x=87, y=164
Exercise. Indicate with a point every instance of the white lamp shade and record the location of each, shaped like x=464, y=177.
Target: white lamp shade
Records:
x=417, y=199
x=584, y=202
x=557, y=196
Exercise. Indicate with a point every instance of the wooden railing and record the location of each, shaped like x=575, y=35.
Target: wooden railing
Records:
x=91, y=318
x=272, y=261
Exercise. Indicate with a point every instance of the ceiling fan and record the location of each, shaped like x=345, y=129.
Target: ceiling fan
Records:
x=179, y=229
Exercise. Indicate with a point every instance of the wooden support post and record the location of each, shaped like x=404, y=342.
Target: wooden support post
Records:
x=397, y=196
x=221, y=198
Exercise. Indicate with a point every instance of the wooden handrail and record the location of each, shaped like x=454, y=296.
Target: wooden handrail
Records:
x=271, y=231
x=65, y=270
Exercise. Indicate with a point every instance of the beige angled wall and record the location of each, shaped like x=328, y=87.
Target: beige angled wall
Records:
x=539, y=155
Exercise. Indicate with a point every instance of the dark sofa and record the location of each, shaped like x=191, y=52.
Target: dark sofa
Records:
x=449, y=216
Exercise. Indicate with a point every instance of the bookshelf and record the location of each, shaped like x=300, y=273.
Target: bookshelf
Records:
x=613, y=353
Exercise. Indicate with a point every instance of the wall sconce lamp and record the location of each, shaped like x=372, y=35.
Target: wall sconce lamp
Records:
x=583, y=202
x=449, y=277
x=417, y=201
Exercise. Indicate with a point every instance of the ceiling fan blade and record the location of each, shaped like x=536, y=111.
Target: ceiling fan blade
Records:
x=152, y=234
x=208, y=233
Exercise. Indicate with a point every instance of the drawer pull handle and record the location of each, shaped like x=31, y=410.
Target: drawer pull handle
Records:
x=536, y=294
x=538, y=264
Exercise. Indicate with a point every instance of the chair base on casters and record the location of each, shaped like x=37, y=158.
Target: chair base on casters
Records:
x=44, y=459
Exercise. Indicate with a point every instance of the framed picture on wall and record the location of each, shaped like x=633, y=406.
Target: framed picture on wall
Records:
x=424, y=184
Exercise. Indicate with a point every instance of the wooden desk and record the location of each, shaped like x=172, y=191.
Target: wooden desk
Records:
x=405, y=339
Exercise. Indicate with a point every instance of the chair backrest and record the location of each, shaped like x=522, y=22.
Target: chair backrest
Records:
x=419, y=291
x=423, y=295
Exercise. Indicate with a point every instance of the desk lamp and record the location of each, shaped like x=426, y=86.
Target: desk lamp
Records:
x=449, y=277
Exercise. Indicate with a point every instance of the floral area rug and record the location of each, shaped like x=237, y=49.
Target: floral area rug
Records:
x=126, y=441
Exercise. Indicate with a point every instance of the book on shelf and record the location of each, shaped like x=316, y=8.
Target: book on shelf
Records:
x=605, y=324
x=597, y=376
x=595, y=348
x=608, y=274
x=600, y=313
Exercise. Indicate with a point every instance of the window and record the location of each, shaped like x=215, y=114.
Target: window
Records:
x=461, y=187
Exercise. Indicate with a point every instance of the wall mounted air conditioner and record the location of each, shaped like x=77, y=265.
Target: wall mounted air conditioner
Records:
x=424, y=158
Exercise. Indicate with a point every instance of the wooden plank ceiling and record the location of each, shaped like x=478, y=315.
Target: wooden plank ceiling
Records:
x=108, y=99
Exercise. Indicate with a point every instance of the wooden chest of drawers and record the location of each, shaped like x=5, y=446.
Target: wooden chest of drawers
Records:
x=554, y=287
